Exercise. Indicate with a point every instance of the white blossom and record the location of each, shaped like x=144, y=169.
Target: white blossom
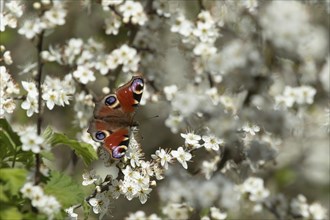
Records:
x=212, y=142
x=46, y=204
x=299, y=206
x=31, y=105
x=112, y=24
x=251, y=129
x=71, y=214
x=100, y=203
x=255, y=188
x=191, y=139
x=170, y=91
x=55, y=16
x=32, y=141
x=174, y=122
x=217, y=214
x=83, y=74
x=133, y=11
x=177, y=211
x=182, y=156
x=90, y=178
x=182, y=26
x=317, y=212
x=7, y=89
x=164, y=157
x=31, y=28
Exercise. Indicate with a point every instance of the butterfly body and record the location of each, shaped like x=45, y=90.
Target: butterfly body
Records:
x=114, y=116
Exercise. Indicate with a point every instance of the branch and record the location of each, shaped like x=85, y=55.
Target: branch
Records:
x=201, y=5
x=39, y=119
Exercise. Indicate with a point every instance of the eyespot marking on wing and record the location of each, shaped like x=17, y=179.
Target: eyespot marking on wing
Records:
x=112, y=101
x=99, y=136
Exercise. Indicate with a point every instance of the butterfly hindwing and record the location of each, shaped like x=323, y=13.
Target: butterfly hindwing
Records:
x=117, y=143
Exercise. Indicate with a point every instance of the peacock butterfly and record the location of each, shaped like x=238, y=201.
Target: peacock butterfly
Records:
x=113, y=117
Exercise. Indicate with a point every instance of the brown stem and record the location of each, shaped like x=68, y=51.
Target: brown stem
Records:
x=39, y=119
x=201, y=5
x=209, y=77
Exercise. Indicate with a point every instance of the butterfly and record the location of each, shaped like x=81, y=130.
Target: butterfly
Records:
x=113, y=117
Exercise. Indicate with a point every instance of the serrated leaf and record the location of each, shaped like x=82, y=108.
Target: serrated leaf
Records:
x=66, y=191
x=13, y=179
x=9, y=212
x=83, y=150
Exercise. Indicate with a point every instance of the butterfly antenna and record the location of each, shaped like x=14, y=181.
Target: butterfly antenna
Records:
x=155, y=116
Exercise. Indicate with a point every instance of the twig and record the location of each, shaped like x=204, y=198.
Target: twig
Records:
x=39, y=119
x=201, y=5
x=209, y=77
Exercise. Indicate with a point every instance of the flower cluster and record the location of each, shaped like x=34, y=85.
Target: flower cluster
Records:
x=300, y=208
x=184, y=105
x=54, y=16
x=130, y=11
x=253, y=188
x=142, y=215
x=31, y=141
x=211, y=142
x=55, y=92
x=138, y=175
x=216, y=214
x=180, y=186
x=177, y=211
x=8, y=88
x=295, y=34
x=300, y=95
x=44, y=203
x=5, y=55
x=202, y=35
x=9, y=14
x=76, y=52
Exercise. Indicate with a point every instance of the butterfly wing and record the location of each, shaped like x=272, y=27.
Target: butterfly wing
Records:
x=113, y=117
x=123, y=103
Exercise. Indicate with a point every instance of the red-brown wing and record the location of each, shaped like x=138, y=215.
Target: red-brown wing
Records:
x=117, y=143
x=129, y=95
x=114, y=138
x=109, y=106
x=113, y=116
x=123, y=102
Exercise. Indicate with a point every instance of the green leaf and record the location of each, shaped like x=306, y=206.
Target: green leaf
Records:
x=9, y=212
x=87, y=209
x=13, y=179
x=4, y=125
x=48, y=155
x=34, y=216
x=6, y=146
x=64, y=189
x=9, y=145
x=83, y=150
x=3, y=196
